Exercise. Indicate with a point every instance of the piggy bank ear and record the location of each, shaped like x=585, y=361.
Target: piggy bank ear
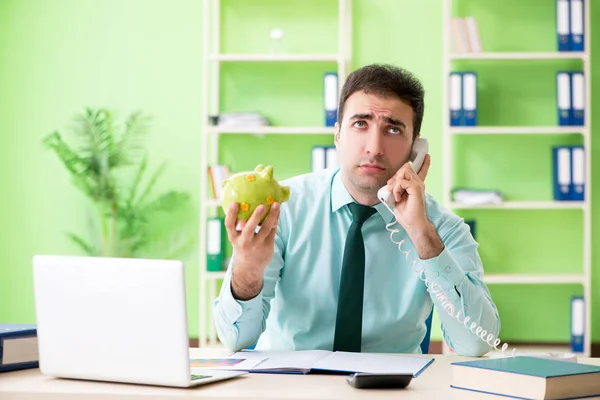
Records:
x=224, y=183
x=259, y=168
x=268, y=172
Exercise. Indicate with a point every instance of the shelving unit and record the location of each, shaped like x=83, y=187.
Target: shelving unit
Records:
x=519, y=56
x=583, y=277
x=213, y=60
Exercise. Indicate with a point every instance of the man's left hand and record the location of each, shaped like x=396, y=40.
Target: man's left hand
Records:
x=408, y=189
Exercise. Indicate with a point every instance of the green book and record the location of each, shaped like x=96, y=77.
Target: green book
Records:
x=215, y=228
x=527, y=377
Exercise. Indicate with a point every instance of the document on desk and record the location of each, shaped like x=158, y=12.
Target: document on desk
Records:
x=228, y=363
x=306, y=361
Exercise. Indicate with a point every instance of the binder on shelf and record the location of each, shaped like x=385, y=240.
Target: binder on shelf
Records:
x=577, y=25
x=330, y=94
x=318, y=158
x=214, y=244
x=563, y=97
x=456, y=94
x=469, y=84
x=577, y=98
x=577, y=324
x=561, y=173
x=577, y=189
x=472, y=225
x=563, y=25
x=324, y=157
x=331, y=159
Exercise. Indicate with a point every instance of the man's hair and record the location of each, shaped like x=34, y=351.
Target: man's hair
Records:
x=386, y=80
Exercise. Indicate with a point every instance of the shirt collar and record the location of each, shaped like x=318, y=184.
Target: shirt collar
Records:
x=340, y=197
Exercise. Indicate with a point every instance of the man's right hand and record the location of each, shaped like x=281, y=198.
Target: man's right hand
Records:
x=253, y=251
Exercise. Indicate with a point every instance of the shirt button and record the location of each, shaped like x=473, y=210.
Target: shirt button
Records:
x=437, y=274
x=448, y=269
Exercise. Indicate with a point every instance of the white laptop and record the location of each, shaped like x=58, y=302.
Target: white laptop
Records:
x=116, y=320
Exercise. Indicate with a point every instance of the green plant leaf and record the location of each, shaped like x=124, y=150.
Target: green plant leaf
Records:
x=86, y=247
x=159, y=171
x=130, y=147
x=137, y=181
x=130, y=221
x=77, y=166
x=167, y=202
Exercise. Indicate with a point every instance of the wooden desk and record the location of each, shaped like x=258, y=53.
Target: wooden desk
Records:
x=433, y=383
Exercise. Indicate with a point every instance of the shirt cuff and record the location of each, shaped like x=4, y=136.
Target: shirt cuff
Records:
x=233, y=308
x=444, y=271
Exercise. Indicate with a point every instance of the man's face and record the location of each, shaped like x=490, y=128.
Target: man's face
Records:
x=374, y=139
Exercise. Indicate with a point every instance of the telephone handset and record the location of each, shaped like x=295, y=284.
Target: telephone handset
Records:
x=417, y=156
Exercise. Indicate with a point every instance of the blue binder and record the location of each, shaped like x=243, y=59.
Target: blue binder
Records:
x=469, y=84
x=577, y=186
x=330, y=97
x=456, y=96
x=577, y=117
x=561, y=156
x=563, y=25
x=577, y=324
x=563, y=97
x=576, y=12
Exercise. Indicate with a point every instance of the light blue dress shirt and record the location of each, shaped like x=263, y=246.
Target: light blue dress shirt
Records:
x=296, y=308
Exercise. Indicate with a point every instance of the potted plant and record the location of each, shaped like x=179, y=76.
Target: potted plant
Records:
x=108, y=164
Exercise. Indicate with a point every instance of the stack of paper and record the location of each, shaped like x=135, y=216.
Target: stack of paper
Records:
x=242, y=120
x=315, y=361
x=477, y=197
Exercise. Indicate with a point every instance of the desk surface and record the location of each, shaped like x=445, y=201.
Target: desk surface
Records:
x=433, y=383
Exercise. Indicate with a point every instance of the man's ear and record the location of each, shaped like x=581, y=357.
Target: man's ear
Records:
x=336, y=133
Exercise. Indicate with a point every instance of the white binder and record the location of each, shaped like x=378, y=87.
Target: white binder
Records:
x=331, y=159
x=318, y=158
x=563, y=91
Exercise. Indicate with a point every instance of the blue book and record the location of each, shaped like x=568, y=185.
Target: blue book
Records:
x=18, y=347
x=563, y=97
x=577, y=115
x=330, y=98
x=469, y=83
x=577, y=184
x=456, y=95
x=576, y=14
x=577, y=324
x=527, y=377
x=561, y=176
x=563, y=25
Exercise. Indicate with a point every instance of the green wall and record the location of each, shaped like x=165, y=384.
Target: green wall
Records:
x=61, y=56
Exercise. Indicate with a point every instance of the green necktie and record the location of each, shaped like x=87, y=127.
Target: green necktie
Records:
x=348, y=324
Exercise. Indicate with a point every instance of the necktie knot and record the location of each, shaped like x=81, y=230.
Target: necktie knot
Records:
x=360, y=213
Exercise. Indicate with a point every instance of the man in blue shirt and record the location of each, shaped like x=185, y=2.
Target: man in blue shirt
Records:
x=305, y=280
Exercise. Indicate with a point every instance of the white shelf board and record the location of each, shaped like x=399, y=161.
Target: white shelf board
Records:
x=250, y=57
x=525, y=205
x=516, y=130
x=215, y=275
x=274, y=130
x=534, y=278
x=559, y=55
